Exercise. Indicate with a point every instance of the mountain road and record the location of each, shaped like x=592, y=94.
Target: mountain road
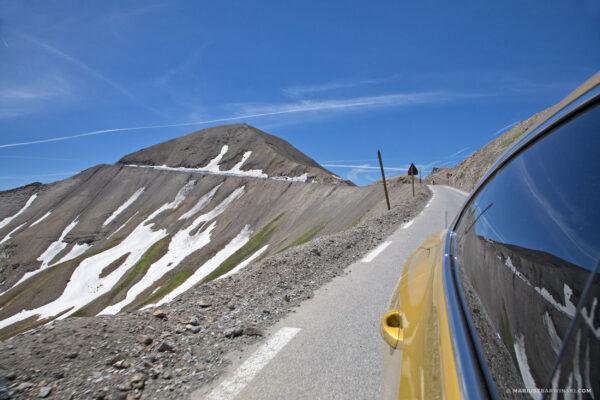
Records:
x=330, y=347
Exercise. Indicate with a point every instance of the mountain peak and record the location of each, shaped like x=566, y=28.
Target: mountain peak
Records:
x=234, y=149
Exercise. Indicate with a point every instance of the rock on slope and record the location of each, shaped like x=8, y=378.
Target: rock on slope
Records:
x=466, y=175
x=121, y=237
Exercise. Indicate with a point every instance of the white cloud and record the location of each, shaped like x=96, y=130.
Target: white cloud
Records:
x=25, y=97
x=458, y=152
x=301, y=90
x=25, y=93
x=395, y=99
x=358, y=174
x=525, y=85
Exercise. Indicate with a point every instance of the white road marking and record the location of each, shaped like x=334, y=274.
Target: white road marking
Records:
x=430, y=200
x=409, y=223
x=231, y=387
x=375, y=252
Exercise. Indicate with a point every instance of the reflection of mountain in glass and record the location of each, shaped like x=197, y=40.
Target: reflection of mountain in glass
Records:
x=546, y=198
x=531, y=297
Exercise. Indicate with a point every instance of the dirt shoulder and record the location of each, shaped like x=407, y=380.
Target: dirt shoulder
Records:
x=166, y=355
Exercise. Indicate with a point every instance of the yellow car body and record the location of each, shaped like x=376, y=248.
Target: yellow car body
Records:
x=417, y=332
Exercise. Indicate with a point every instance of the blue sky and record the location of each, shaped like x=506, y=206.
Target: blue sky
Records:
x=427, y=83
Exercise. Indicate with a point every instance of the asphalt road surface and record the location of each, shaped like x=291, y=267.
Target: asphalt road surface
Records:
x=330, y=348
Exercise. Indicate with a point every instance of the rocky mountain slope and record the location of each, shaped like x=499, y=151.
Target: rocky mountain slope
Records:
x=163, y=220
x=467, y=174
x=169, y=352
x=211, y=227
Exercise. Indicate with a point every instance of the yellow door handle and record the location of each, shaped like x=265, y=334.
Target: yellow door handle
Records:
x=391, y=329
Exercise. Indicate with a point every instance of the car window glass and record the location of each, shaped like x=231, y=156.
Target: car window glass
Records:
x=528, y=241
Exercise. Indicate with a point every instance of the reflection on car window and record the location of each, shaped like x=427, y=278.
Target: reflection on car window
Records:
x=527, y=243
x=579, y=364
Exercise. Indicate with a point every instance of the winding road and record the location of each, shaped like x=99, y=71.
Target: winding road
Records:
x=330, y=348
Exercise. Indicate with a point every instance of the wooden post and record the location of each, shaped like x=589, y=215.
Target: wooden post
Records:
x=387, y=199
x=420, y=178
x=412, y=171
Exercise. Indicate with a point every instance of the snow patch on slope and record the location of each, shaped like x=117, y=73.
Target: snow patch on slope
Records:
x=236, y=243
x=182, y=244
x=213, y=168
x=8, y=220
x=124, y=206
x=204, y=200
x=123, y=226
x=85, y=284
x=51, y=252
x=169, y=261
x=41, y=219
x=56, y=247
x=246, y=262
x=213, y=165
x=257, y=173
x=76, y=251
x=7, y=237
x=181, y=195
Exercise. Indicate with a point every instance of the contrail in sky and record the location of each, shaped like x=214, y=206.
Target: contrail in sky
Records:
x=73, y=60
x=83, y=66
x=501, y=130
x=399, y=99
x=139, y=128
x=284, y=109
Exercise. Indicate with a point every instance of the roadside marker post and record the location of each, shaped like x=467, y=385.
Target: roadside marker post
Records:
x=412, y=171
x=387, y=199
